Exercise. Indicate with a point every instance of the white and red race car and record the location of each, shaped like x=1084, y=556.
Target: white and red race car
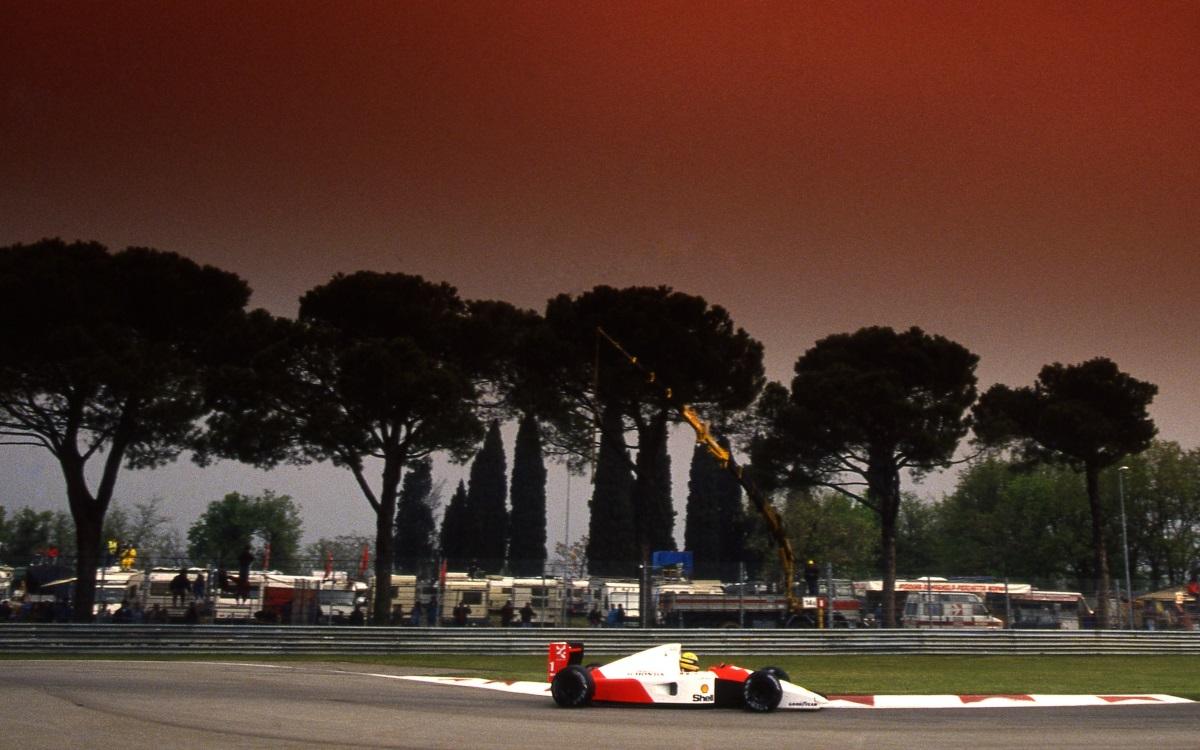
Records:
x=654, y=677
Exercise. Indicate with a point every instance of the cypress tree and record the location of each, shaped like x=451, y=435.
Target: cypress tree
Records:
x=653, y=507
x=715, y=527
x=456, y=542
x=414, y=545
x=701, y=528
x=487, y=493
x=731, y=519
x=527, y=523
x=612, y=548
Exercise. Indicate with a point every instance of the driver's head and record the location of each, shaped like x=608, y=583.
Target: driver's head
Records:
x=689, y=662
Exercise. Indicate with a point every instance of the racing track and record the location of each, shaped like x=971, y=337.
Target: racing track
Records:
x=56, y=704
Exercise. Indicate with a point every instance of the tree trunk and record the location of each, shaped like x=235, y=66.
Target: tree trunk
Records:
x=385, y=519
x=646, y=512
x=1099, y=549
x=883, y=482
x=88, y=514
x=87, y=559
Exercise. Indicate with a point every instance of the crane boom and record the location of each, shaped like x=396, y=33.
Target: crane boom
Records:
x=704, y=437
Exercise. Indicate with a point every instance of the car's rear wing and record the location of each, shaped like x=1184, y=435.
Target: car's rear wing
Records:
x=561, y=655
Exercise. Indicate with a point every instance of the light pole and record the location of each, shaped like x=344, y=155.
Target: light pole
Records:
x=1125, y=539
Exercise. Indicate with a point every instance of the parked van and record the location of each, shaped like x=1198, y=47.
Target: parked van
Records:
x=947, y=610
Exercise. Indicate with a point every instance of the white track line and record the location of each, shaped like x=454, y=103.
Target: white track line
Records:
x=857, y=701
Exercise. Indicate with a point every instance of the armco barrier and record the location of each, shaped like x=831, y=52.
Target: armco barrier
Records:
x=141, y=640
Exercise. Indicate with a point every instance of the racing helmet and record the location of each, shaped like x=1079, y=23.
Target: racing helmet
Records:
x=689, y=662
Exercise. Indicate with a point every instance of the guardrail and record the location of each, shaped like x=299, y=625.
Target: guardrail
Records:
x=113, y=639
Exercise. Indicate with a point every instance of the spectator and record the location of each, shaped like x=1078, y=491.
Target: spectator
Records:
x=180, y=588
x=812, y=577
x=620, y=615
x=198, y=587
x=415, y=617
x=527, y=616
x=431, y=611
x=594, y=618
x=357, y=617
x=192, y=616
x=243, y=582
x=6, y=611
x=506, y=613
x=610, y=620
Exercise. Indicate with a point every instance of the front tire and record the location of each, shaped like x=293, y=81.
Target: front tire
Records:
x=778, y=672
x=762, y=692
x=573, y=687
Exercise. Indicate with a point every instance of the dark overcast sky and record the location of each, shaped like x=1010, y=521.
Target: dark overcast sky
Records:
x=1021, y=177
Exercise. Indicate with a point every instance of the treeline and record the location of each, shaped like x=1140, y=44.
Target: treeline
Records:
x=1027, y=523
x=128, y=359
x=1004, y=519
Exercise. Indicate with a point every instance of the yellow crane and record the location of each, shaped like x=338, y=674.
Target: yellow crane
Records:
x=704, y=437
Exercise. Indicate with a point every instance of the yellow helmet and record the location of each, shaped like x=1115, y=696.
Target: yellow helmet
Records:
x=689, y=662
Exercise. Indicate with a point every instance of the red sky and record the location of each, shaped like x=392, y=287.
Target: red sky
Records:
x=1020, y=177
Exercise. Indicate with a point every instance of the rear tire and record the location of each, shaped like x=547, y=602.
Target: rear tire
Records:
x=573, y=687
x=762, y=692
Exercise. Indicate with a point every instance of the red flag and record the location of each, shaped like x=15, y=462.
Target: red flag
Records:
x=267, y=557
x=329, y=564
x=442, y=573
x=362, y=564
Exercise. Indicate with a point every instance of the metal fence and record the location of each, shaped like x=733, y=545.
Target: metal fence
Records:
x=141, y=640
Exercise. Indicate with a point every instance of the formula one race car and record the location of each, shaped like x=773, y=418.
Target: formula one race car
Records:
x=667, y=675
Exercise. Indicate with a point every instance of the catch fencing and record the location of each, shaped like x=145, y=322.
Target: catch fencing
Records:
x=148, y=640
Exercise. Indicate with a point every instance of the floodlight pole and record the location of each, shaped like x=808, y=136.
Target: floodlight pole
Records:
x=1125, y=541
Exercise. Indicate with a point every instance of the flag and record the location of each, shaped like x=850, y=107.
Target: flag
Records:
x=329, y=564
x=362, y=564
x=442, y=573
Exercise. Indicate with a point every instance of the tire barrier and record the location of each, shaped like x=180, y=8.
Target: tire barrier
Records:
x=117, y=639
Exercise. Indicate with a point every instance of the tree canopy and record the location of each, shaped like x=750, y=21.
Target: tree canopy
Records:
x=696, y=355
x=381, y=368
x=863, y=407
x=102, y=356
x=1089, y=416
x=237, y=521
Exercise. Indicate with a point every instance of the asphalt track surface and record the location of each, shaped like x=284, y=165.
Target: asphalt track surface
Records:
x=123, y=704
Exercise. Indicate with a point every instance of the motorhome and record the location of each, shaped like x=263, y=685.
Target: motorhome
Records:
x=1046, y=610
x=460, y=588
x=624, y=593
x=153, y=587
x=545, y=595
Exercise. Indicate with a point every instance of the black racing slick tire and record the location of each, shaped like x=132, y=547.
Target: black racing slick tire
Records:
x=573, y=687
x=778, y=672
x=762, y=692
